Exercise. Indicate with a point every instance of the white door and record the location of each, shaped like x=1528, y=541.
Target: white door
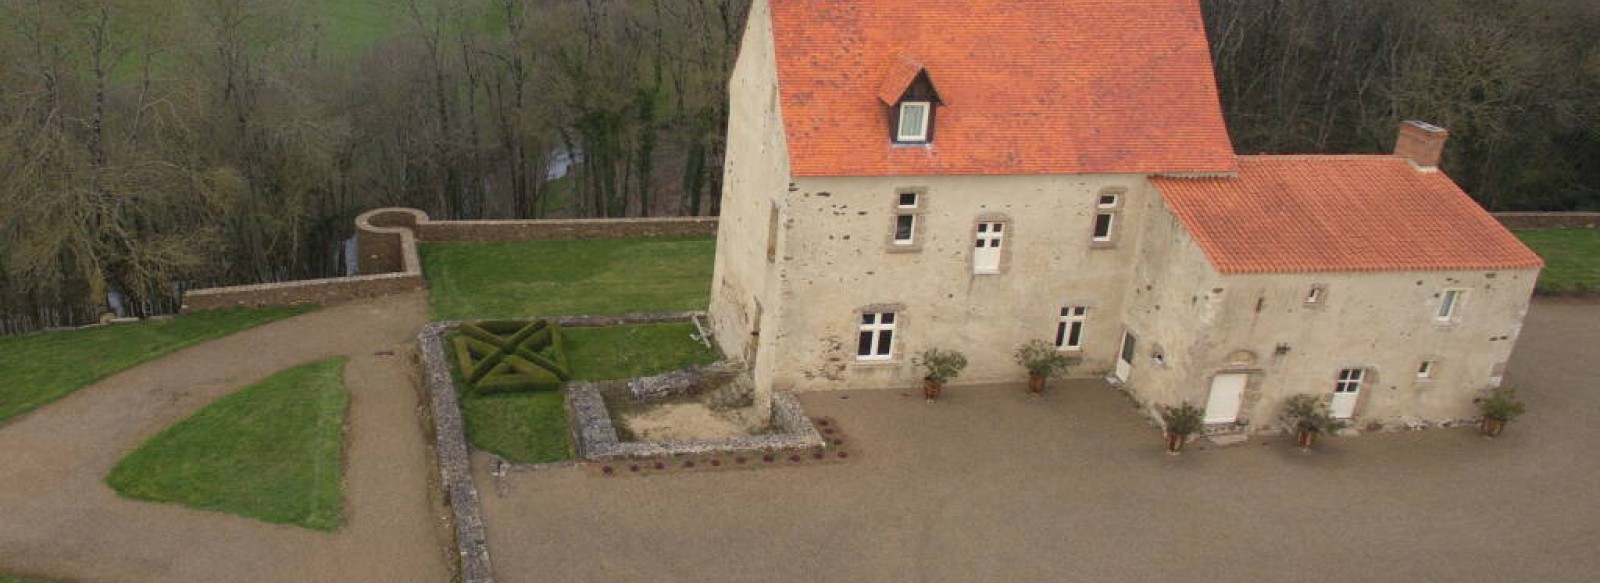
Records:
x=1227, y=392
x=1125, y=356
x=986, y=248
x=1346, y=392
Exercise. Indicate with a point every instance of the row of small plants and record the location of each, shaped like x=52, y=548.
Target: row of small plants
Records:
x=836, y=448
x=1310, y=417
x=1038, y=357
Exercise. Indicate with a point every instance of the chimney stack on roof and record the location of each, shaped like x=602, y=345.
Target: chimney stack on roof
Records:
x=1422, y=143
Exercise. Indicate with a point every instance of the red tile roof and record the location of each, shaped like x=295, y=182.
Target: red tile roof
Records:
x=1339, y=213
x=1034, y=86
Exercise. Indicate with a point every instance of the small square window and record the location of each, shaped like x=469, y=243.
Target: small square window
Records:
x=1427, y=369
x=908, y=200
x=1108, y=201
x=1316, y=294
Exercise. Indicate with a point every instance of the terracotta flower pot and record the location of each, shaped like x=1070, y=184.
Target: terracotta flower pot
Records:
x=931, y=388
x=1175, y=443
x=1305, y=439
x=1492, y=427
x=1036, y=384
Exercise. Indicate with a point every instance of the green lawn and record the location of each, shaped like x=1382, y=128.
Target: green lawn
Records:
x=567, y=278
x=10, y=579
x=532, y=427
x=41, y=368
x=1572, y=258
x=621, y=352
x=271, y=451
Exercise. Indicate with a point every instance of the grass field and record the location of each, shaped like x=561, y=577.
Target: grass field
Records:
x=41, y=368
x=10, y=579
x=532, y=427
x=271, y=451
x=350, y=27
x=563, y=278
x=1572, y=258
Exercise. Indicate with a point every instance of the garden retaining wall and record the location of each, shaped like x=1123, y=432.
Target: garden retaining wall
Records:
x=1542, y=221
x=389, y=263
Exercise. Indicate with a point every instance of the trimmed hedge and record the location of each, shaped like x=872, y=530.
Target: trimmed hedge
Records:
x=508, y=356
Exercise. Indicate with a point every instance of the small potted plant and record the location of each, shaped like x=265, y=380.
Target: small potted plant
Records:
x=1499, y=408
x=1308, y=415
x=1042, y=361
x=1181, y=421
x=939, y=367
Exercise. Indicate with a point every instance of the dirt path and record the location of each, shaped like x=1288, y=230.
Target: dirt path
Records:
x=58, y=519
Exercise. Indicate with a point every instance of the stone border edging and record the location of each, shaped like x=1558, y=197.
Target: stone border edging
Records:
x=598, y=441
x=455, y=456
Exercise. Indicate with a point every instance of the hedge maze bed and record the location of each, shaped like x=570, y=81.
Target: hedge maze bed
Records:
x=512, y=356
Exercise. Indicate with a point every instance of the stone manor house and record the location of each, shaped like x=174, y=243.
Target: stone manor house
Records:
x=973, y=174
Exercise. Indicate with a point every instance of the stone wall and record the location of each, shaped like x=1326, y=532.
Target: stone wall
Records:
x=389, y=263
x=310, y=292
x=1536, y=221
x=464, y=231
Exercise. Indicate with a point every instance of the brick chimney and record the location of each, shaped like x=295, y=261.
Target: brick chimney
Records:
x=1422, y=143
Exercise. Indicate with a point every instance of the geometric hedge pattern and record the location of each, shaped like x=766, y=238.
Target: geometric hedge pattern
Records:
x=512, y=356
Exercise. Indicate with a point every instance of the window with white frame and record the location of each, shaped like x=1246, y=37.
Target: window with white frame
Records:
x=1449, y=304
x=1105, y=217
x=1427, y=369
x=1069, y=329
x=1350, y=380
x=986, y=247
x=1316, y=295
x=875, y=340
x=905, y=219
x=913, y=126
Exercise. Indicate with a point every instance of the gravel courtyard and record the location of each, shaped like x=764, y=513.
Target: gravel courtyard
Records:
x=988, y=485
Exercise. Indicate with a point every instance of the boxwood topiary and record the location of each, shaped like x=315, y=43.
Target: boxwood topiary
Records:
x=510, y=356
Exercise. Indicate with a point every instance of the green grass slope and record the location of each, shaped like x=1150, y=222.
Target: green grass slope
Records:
x=41, y=368
x=1572, y=258
x=271, y=451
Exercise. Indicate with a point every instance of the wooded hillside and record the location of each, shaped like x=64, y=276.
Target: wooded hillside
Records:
x=147, y=143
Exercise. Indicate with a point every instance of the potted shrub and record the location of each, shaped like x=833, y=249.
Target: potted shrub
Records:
x=939, y=367
x=1308, y=415
x=1181, y=421
x=1042, y=361
x=1499, y=408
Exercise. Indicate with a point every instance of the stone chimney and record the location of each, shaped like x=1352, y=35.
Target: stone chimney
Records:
x=1422, y=143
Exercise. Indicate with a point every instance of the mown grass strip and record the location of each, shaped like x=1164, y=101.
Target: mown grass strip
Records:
x=271, y=451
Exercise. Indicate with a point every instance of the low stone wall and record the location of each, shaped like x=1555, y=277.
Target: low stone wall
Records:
x=465, y=231
x=389, y=263
x=1542, y=221
x=598, y=441
x=315, y=291
x=455, y=456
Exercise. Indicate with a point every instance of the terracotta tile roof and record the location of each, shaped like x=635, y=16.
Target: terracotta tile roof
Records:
x=1339, y=213
x=1034, y=86
x=902, y=71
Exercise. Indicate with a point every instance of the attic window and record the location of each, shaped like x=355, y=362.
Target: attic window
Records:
x=913, y=126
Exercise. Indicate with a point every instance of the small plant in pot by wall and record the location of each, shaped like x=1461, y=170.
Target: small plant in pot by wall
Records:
x=1308, y=415
x=1499, y=408
x=1042, y=361
x=1181, y=421
x=939, y=367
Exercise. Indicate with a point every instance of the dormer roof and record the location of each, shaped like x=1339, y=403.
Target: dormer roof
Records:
x=903, y=72
x=1030, y=86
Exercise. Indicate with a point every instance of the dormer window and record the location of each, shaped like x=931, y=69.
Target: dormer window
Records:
x=911, y=100
x=913, y=126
